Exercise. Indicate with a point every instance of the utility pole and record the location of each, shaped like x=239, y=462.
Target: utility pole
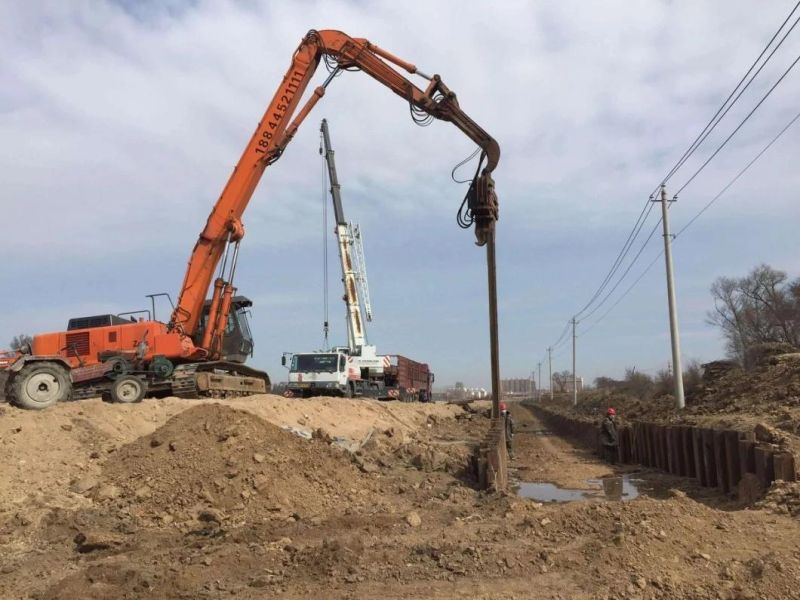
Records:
x=539, y=384
x=550, y=362
x=574, y=377
x=673, y=314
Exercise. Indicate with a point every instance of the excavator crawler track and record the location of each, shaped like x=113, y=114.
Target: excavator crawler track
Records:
x=218, y=379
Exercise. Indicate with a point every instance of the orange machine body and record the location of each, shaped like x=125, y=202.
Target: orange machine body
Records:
x=87, y=347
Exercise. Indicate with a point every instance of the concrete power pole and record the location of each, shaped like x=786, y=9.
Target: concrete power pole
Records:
x=677, y=373
x=539, y=384
x=550, y=362
x=574, y=376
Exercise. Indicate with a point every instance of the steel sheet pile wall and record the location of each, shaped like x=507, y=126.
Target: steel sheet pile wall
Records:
x=493, y=459
x=732, y=461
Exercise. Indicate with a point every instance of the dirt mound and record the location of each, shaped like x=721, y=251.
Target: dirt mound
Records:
x=783, y=498
x=212, y=461
x=770, y=391
x=444, y=445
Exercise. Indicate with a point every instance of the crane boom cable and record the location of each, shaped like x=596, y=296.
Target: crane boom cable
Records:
x=325, y=286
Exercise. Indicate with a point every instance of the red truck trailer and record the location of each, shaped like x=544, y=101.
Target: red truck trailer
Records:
x=407, y=380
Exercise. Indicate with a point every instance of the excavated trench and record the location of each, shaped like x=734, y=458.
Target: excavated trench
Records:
x=729, y=462
x=551, y=466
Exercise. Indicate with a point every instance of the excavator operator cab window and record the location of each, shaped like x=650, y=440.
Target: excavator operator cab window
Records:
x=242, y=317
x=238, y=343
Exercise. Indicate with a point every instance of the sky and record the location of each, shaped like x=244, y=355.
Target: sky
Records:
x=121, y=122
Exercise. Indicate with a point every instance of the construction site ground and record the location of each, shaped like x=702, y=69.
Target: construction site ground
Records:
x=230, y=499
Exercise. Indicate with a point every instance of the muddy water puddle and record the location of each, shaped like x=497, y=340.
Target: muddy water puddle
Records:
x=624, y=487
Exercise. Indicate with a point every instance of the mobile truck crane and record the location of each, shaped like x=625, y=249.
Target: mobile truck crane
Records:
x=355, y=370
x=187, y=355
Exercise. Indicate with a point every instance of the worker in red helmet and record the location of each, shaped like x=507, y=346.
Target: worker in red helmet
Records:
x=609, y=440
x=509, y=425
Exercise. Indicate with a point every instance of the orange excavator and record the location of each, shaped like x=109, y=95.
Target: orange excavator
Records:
x=201, y=350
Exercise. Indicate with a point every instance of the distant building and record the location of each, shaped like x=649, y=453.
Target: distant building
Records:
x=564, y=385
x=517, y=387
x=460, y=392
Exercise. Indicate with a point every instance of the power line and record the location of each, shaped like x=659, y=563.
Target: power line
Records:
x=625, y=293
x=739, y=174
x=738, y=127
x=697, y=216
x=706, y=131
x=729, y=102
x=637, y=227
x=561, y=337
x=630, y=266
x=711, y=125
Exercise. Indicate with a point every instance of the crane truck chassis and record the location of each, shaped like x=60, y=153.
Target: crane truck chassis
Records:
x=337, y=373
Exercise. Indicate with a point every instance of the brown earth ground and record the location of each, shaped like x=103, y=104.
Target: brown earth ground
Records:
x=182, y=499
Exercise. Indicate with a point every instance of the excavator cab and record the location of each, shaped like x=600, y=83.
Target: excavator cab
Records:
x=238, y=343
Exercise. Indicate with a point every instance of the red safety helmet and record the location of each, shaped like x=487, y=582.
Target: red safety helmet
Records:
x=503, y=407
x=611, y=412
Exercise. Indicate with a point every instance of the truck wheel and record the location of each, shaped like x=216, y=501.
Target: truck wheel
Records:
x=128, y=389
x=5, y=387
x=40, y=384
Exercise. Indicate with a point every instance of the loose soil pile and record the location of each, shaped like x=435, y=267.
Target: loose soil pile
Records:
x=179, y=512
x=229, y=461
x=768, y=391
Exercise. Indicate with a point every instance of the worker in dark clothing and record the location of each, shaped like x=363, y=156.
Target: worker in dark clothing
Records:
x=509, y=425
x=609, y=440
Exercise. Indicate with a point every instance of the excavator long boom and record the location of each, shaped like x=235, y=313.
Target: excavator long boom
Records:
x=224, y=228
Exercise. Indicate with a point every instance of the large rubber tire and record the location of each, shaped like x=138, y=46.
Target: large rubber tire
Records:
x=5, y=387
x=128, y=389
x=40, y=385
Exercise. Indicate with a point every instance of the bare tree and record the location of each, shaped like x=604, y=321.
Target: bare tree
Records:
x=20, y=341
x=606, y=383
x=692, y=376
x=763, y=307
x=663, y=382
x=638, y=384
x=562, y=381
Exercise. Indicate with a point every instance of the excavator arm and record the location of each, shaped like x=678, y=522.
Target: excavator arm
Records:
x=224, y=230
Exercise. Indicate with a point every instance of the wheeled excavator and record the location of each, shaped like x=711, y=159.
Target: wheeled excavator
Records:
x=188, y=356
